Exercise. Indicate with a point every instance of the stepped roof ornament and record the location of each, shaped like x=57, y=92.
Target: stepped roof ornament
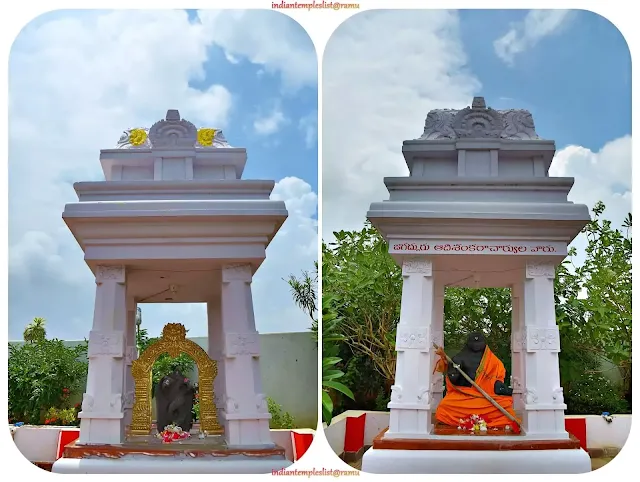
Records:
x=479, y=122
x=172, y=132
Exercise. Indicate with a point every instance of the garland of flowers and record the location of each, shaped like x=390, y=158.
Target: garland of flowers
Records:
x=474, y=423
x=477, y=424
x=171, y=433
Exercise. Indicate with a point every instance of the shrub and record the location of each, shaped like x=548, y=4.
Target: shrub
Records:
x=63, y=416
x=382, y=400
x=593, y=394
x=279, y=418
x=43, y=374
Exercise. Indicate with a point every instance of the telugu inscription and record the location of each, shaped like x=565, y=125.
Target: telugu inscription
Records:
x=467, y=247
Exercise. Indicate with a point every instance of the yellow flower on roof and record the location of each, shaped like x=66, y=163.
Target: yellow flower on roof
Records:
x=205, y=136
x=137, y=137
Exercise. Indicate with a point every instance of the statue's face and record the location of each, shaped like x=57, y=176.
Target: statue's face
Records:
x=173, y=381
x=476, y=342
x=166, y=382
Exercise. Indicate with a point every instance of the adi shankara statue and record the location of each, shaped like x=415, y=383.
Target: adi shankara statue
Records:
x=463, y=399
x=174, y=396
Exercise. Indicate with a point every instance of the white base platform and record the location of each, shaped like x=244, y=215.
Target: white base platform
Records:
x=564, y=461
x=144, y=464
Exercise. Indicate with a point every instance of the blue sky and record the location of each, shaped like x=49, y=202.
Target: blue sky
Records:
x=571, y=69
x=110, y=70
x=576, y=82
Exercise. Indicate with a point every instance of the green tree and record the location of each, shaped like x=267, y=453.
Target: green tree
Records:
x=593, y=300
x=43, y=374
x=365, y=286
x=303, y=291
x=35, y=331
x=330, y=360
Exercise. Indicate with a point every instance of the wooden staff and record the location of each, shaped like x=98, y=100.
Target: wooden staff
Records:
x=475, y=385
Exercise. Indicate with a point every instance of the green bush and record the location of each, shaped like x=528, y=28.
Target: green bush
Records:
x=593, y=394
x=63, y=416
x=279, y=418
x=43, y=374
x=364, y=380
x=382, y=400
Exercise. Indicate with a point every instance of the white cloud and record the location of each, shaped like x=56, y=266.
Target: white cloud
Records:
x=104, y=72
x=265, y=39
x=231, y=58
x=526, y=34
x=377, y=93
x=270, y=123
x=308, y=125
x=294, y=249
x=599, y=176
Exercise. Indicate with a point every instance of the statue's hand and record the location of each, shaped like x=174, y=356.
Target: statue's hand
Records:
x=453, y=374
x=501, y=389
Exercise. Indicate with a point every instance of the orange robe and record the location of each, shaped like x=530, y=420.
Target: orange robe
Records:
x=462, y=402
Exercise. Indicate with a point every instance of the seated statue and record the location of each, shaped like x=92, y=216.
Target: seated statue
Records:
x=462, y=399
x=174, y=400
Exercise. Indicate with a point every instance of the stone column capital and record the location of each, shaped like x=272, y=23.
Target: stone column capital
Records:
x=110, y=273
x=540, y=270
x=417, y=265
x=409, y=337
x=106, y=344
x=237, y=272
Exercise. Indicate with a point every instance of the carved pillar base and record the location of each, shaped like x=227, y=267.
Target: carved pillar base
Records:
x=102, y=415
x=410, y=404
x=544, y=406
x=245, y=414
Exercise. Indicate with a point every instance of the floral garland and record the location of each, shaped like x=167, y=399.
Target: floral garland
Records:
x=171, y=433
x=474, y=423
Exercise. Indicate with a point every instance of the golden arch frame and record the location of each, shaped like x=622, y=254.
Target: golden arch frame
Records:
x=174, y=342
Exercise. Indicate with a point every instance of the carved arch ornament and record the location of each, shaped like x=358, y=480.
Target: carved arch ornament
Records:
x=173, y=342
x=479, y=121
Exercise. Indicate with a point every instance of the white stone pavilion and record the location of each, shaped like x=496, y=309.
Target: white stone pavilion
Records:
x=478, y=210
x=174, y=222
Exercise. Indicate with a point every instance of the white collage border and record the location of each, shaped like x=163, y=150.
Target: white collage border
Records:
x=319, y=25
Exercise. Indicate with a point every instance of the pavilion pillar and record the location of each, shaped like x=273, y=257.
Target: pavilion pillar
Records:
x=544, y=402
x=437, y=334
x=215, y=347
x=131, y=354
x=517, y=349
x=410, y=403
x=245, y=414
x=101, y=417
